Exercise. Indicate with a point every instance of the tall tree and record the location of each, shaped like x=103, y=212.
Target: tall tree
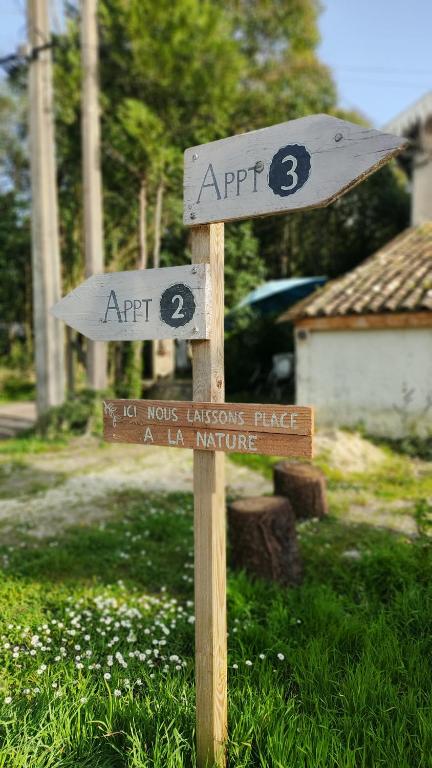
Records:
x=284, y=78
x=96, y=360
x=48, y=331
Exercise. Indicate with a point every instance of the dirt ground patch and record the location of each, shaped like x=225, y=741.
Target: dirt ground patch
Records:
x=348, y=451
x=73, y=486
x=45, y=493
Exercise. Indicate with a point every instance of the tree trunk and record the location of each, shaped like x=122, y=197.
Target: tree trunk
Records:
x=70, y=360
x=97, y=351
x=134, y=349
x=158, y=225
x=158, y=347
x=142, y=260
x=304, y=485
x=46, y=266
x=263, y=538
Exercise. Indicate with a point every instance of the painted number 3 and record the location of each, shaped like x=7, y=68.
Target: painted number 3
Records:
x=291, y=172
x=289, y=169
x=178, y=314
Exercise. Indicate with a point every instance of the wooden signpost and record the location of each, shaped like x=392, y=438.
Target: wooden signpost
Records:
x=304, y=163
x=301, y=164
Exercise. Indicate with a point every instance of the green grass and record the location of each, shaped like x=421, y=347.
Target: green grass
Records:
x=29, y=443
x=395, y=478
x=353, y=689
x=16, y=385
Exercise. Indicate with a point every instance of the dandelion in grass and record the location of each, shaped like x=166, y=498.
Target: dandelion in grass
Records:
x=117, y=693
x=8, y=700
x=107, y=676
x=235, y=666
x=83, y=700
x=248, y=663
x=280, y=656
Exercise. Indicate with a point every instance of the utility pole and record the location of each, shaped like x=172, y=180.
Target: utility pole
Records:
x=48, y=331
x=92, y=181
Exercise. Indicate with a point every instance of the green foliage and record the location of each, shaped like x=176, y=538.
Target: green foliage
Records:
x=423, y=516
x=13, y=155
x=15, y=382
x=285, y=79
x=172, y=75
x=416, y=447
x=244, y=267
x=249, y=348
x=355, y=226
x=15, y=264
x=130, y=384
x=80, y=414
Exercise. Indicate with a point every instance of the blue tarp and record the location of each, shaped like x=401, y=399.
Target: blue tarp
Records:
x=278, y=295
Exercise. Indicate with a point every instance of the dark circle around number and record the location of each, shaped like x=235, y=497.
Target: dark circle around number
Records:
x=177, y=305
x=289, y=169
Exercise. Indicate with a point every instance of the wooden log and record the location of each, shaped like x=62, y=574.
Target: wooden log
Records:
x=304, y=485
x=263, y=538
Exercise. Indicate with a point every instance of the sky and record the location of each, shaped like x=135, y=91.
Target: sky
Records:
x=380, y=51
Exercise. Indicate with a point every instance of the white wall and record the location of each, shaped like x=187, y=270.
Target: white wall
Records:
x=380, y=378
x=421, y=200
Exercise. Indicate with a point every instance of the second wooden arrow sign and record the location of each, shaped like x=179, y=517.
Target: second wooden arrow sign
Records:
x=169, y=303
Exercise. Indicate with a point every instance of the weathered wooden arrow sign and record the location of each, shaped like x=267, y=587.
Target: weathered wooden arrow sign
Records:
x=168, y=303
x=303, y=163
x=275, y=430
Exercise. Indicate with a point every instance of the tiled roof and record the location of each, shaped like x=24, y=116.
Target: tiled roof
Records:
x=398, y=278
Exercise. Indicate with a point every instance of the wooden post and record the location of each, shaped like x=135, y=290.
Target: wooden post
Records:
x=49, y=334
x=207, y=244
x=92, y=181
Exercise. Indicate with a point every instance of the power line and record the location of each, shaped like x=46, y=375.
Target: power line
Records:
x=390, y=83
x=383, y=70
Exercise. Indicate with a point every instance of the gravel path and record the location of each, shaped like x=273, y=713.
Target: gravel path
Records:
x=14, y=417
x=43, y=494
x=54, y=491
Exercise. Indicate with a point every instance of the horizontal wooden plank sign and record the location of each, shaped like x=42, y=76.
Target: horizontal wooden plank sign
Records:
x=275, y=430
x=167, y=303
x=303, y=163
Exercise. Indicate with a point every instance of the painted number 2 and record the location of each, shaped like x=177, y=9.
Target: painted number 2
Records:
x=177, y=305
x=177, y=315
x=289, y=169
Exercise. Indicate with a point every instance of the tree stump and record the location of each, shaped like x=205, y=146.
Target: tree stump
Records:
x=305, y=487
x=263, y=538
